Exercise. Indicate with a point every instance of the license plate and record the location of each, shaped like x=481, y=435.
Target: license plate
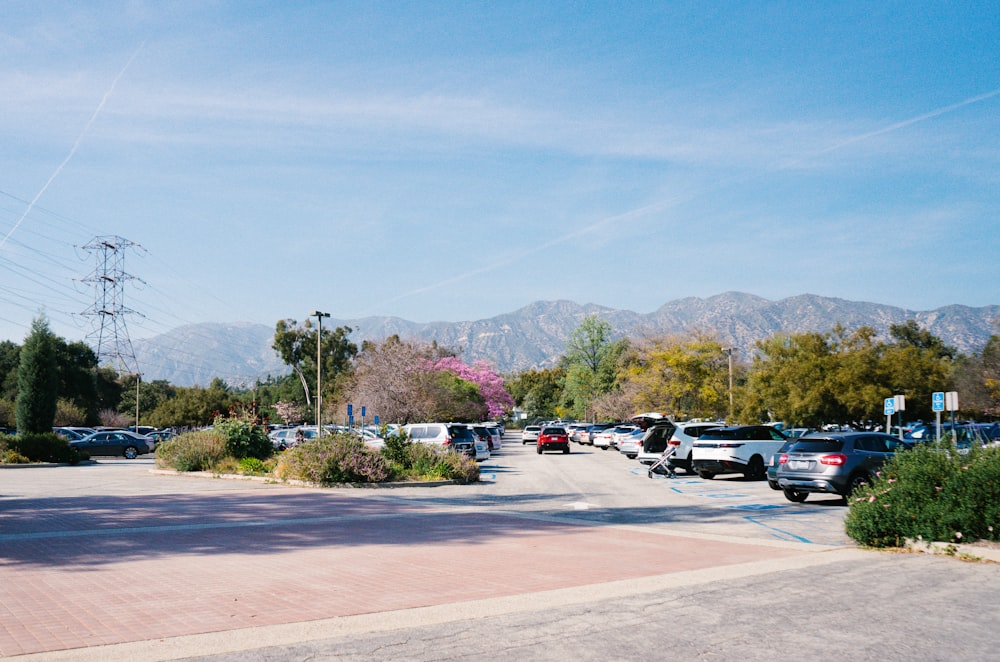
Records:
x=798, y=464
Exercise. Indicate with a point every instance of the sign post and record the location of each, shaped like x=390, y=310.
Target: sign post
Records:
x=951, y=404
x=900, y=405
x=890, y=409
x=937, y=404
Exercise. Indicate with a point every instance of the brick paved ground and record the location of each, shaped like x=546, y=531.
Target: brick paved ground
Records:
x=85, y=571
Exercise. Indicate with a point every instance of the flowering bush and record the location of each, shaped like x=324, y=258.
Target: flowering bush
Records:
x=338, y=458
x=931, y=492
x=491, y=387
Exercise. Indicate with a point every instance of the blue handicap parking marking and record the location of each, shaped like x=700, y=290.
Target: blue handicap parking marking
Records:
x=758, y=506
x=725, y=495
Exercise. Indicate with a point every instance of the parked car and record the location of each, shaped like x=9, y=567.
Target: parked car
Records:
x=452, y=436
x=630, y=444
x=772, y=465
x=834, y=463
x=115, y=443
x=291, y=437
x=682, y=441
x=741, y=449
x=602, y=438
x=496, y=436
x=620, y=432
x=553, y=438
x=530, y=433
x=654, y=441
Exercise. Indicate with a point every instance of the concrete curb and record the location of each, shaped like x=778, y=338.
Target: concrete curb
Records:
x=967, y=552
x=300, y=483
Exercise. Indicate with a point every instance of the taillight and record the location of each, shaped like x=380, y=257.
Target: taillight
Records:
x=729, y=445
x=834, y=460
x=447, y=441
x=783, y=459
x=674, y=442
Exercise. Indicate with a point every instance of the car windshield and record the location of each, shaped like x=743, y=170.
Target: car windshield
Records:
x=722, y=433
x=817, y=446
x=553, y=431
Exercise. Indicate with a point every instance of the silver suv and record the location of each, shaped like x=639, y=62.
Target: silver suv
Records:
x=833, y=463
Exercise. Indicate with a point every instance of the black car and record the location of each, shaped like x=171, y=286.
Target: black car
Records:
x=116, y=443
x=835, y=463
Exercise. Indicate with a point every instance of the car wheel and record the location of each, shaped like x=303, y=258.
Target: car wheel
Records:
x=773, y=485
x=707, y=475
x=539, y=450
x=690, y=465
x=856, y=481
x=565, y=451
x=794, y=495
x=131, y=453
x=755, y=469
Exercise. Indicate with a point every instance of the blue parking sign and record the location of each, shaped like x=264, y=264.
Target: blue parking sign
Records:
x=890, y=406
x=937, y=401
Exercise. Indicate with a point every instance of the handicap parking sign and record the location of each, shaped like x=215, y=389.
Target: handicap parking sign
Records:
x=890, y=406
x=937, y=400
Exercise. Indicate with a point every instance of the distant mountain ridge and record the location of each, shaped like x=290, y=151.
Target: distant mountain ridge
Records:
x=535, y=335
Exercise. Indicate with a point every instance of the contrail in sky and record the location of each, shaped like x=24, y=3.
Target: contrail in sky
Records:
x=648, y=209
x=76, y=146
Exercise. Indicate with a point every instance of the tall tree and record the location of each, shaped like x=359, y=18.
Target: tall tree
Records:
x=296, y=345
x=591, y=365
x=538, y=392
x=687, y=376
x=37, y=380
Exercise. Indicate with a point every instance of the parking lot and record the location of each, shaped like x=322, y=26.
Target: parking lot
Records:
x=111, y=561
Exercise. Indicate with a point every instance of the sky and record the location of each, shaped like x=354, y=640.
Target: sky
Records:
x=451, y=161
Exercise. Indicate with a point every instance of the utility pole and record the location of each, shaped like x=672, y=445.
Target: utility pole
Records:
x=319, y=368
x=729, y=353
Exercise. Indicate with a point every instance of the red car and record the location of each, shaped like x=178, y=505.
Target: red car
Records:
x=553, y=439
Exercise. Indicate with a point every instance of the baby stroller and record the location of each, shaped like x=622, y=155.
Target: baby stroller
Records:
x=662, y=466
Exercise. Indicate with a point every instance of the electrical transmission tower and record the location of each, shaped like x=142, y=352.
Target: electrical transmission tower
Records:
x=110, y=336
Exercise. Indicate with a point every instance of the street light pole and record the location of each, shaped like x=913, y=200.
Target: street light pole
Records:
x=319, y=369
x=729, y=353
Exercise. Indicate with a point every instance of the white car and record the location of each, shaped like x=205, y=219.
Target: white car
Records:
x=744, y=449
x=682, y=442
x=530, y=433
x=630, y=444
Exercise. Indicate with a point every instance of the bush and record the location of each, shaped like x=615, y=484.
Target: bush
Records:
x=333, y=459
x=192, y=451
x=427, y=462
x=931, y=492
x=40, y=447
x=244, y=438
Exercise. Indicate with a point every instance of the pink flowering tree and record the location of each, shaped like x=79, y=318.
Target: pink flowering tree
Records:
x=491, y=386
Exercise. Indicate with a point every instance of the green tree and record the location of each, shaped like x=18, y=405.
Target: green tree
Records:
x=296, y=345
x=37, y=380
x=687, y=376
x=591, y=365
x=790, y=381
x=538, y=392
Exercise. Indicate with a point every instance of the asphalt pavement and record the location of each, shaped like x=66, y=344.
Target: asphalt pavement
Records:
x=578, y=556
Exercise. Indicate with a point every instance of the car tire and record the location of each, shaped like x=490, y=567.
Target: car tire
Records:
x=795, y=496
x=755, y=468
x=565, y=451
x=539, y=450
x=131, y=452
x=707, y=475
x=854, y=483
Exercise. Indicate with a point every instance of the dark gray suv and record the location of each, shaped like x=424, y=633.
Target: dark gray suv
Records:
x=835, y=463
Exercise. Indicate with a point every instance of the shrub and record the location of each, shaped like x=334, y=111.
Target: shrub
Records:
x=244, y=438
x=427, y=462
x=192, y=451
x=8, y=454
x=333, y=459
x=396, y=448
x=253, y=466
x=43, y=447
x=931, y=492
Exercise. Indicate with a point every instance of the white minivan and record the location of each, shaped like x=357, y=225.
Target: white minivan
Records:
x=744, y=449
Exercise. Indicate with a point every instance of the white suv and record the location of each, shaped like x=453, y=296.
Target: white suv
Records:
x=744, y=449
x=682, y=441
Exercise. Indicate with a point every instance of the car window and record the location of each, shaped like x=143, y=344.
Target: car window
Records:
x=553, y=431
x=721, y=433
x=817, y=446
x=876, y=444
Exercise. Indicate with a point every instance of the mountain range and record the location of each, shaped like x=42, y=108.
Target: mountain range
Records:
x=535, y=335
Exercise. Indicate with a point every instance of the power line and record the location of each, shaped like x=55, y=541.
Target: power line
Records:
x=109, y=277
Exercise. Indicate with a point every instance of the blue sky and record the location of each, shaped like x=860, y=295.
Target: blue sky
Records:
x=458, y=160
